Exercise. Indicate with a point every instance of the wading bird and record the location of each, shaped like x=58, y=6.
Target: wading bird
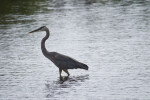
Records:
x=63, y=62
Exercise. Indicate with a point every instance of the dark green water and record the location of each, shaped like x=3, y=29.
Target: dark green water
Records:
x=111, y=36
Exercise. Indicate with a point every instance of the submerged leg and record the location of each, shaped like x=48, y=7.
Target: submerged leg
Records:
x=60, y=70
x=65, y=70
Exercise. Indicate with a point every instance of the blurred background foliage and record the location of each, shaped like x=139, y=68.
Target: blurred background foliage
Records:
x=12, y=10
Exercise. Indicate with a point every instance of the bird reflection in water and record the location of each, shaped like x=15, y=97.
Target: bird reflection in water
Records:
x=57, y=87
x=70, y=79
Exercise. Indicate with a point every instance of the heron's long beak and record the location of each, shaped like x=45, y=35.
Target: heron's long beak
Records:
x=35, y=30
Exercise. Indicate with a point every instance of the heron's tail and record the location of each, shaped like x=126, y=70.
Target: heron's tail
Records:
x=83, y=66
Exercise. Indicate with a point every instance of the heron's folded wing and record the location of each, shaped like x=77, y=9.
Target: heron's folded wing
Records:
x=65, y=62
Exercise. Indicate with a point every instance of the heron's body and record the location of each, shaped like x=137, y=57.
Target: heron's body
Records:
x=63, y=62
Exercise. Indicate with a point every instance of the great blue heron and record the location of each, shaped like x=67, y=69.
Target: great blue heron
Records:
x=63, y=62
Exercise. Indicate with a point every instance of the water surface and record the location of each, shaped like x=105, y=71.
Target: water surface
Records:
x=110, y=36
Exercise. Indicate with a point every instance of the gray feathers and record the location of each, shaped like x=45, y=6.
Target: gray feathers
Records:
x=65, y=62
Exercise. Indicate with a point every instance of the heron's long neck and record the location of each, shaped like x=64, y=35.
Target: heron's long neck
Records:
x=44, y=50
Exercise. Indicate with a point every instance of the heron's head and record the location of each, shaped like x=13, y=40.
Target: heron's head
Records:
x=43, y=28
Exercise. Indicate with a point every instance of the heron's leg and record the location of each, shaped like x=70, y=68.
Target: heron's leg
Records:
x=65, y=70
x=60, y=70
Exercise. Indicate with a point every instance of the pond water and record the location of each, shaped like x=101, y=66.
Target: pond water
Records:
x=111, y=36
